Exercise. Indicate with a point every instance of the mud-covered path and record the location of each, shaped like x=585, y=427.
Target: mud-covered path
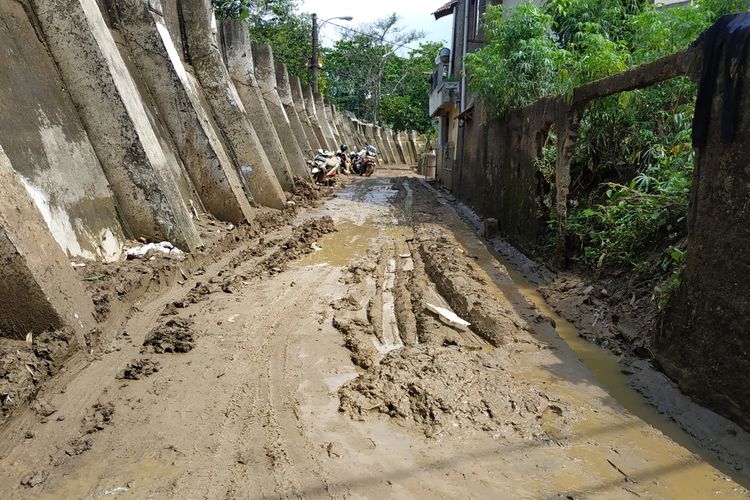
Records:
x=330, y=376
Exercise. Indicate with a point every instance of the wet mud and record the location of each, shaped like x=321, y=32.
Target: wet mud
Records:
x=314, y=362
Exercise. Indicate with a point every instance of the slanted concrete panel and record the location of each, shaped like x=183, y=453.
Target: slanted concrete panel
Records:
x=332, y=124
x=325, y=122
x=203, y=52
x=147, y=187
x=395, y=138
x=45, y=140
x=385, y=133
x=301, y=106
x=238, y=56
x=413, y=144
x=312, y=114
x=403, y=137
x=285, y=95
x=265, y=73
x=383, y=146
x=39, y=291
x=335, y=124
x=176, y=94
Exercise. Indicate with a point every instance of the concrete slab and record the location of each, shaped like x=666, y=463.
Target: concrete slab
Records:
x=202, y=52
x=265, y=73
x=178, y=98
x=45, y=140
x=301, y=105
x=312, y=114
x=39, y=291
x=150, y=188
x=238, y=57
x=284, y=90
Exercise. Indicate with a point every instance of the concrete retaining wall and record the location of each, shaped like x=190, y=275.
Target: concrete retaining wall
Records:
x=285, y=95
x=238, y=56
x=312, y=114
x=202, y=51
x=47, y=144
x=151, y=192
x=38, y=289
x=265, y=73
x=178, y=99
x=301, y=105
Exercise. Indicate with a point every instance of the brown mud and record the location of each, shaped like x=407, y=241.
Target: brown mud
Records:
x=318, y=367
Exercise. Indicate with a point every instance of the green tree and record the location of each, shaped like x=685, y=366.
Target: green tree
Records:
x=364, y=65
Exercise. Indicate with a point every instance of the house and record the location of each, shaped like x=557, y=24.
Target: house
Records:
x=450, y=101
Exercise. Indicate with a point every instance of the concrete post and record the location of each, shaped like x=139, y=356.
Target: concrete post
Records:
x=339, y=138
x=203, y=53
x=177, y=96
x=46, y=142
x=265, y=73
x=413, y=144
x=39, y=291
x=325, y=122
x=149, y=184
x=301, y=105
x=383, y=146
x=395, y=139
x=285, y=94
x=312, y=114
x=238, y=56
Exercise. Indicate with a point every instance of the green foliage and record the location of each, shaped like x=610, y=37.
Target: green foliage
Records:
x=521, y=62
x=632, y=168
x=367, y=75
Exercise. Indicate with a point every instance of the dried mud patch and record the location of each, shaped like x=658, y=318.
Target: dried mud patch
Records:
x=175, y=335
x=449, y=390
x=138, y=369
x=24, y=366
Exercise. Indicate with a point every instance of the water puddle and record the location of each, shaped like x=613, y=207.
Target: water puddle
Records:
x=350, y=242
x=683, y=476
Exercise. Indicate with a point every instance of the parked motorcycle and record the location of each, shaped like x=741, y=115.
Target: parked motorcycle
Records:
x=365, y=161
x=324, y=167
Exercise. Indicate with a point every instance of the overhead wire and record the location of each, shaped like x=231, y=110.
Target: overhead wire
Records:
x=391, y=42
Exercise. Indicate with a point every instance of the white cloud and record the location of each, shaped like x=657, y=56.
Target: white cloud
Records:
x=414, y=14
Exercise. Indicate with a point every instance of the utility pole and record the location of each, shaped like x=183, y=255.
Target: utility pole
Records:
x=314, y=66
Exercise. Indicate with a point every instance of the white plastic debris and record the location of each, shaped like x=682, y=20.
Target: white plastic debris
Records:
x=163, y=247
x=449, y=315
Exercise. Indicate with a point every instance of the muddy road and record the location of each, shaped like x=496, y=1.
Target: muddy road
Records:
x=315, y=359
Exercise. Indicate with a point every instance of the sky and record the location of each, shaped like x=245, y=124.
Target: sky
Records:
x=414, y=14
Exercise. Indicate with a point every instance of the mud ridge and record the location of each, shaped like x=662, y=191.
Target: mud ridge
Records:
x=454, y=390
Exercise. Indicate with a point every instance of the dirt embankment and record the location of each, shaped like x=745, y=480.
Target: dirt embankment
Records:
x=117, y=287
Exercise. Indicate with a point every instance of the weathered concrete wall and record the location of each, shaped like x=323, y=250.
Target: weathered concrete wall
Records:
x=312, y=114
x=179, y=101
x=265, y=72
x=202, y=51
x=38, y=289
x=301, y=105
x=325, y=122
x=385, y=152
x=397, y=145
x=703, y=341
x=151, y=190
x=238, y=56
x=495, y=172
x=285, y=95
x=45, y=140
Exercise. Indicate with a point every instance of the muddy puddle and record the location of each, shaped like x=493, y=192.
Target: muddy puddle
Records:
x=350, y=242
x=607, y=373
